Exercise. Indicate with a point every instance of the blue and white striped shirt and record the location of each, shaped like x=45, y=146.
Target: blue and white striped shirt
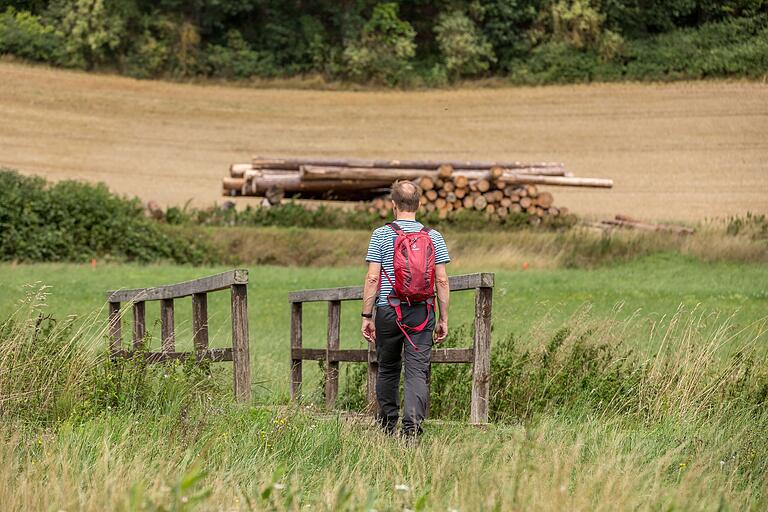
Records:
x=382, y=250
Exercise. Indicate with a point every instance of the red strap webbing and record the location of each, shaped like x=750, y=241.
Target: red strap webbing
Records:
x=405, y=328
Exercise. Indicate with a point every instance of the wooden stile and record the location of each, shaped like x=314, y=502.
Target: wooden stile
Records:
x=235, y=280
x=482, y=284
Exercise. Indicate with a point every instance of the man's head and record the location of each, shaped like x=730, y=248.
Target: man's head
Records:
x=405, y=196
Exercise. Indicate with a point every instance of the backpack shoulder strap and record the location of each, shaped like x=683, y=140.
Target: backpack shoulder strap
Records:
x=425, y=229
x=395, y=227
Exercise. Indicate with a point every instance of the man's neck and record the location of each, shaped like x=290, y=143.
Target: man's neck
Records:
x=405, y=216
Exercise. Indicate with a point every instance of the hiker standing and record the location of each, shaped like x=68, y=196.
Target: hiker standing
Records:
x=406, y=264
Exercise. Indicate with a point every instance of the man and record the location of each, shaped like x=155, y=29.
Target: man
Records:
x=391, y=338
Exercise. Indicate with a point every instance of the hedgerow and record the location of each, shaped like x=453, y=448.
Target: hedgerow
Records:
x=74, y=221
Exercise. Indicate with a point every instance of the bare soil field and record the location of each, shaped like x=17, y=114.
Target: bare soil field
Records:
x=681, y=151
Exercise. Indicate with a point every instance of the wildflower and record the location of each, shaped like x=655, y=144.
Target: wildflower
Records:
x=279, y=487
x=682, y=465
x=402, y=488
x=184, y=499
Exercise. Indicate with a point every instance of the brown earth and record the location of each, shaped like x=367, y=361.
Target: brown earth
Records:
x=676, y=151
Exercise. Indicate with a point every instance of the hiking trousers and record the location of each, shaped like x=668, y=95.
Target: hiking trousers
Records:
x=392, y=349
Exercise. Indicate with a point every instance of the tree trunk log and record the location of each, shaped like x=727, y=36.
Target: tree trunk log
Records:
x=296, y=162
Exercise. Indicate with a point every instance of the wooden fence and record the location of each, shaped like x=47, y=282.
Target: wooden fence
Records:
x=479, y=355
x=235, y=280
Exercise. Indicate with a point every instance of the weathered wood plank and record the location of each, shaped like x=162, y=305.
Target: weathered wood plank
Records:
x=240, y=349
x=452, y=355
x=175, y=291
x=139, y=324
x=167, y=329
x=115, y=327
x=296, y=341
x=331, y=366
x=457, y=283
x=214, y=355
x=200, y=320
x=481, y=369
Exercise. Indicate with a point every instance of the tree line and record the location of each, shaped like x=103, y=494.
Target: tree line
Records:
x=395, y=43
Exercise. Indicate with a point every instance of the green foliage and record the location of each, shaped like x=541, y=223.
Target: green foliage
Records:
x=237, y=59
x=730, y=48
x=404, y=44
x=24, y=35
x=72, y=221
x=90, y=31
x=383, y=51
x=464, y=49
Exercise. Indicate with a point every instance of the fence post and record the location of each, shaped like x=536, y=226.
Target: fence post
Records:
x=241, y=359
x=200, y=320
x=332, y=367
x=296, y=342
x=139, y=324
x=115, y=334
x=167, y=330
x=481, y=367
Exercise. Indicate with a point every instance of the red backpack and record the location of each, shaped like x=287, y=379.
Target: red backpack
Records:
x=414, y=262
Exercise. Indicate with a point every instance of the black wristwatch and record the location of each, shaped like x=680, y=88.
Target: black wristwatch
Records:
x=366, y=315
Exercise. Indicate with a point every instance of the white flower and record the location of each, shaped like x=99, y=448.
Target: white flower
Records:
x=279, y=487
x=402, y=488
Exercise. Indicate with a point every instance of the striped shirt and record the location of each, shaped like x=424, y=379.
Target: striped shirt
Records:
x=382, y=250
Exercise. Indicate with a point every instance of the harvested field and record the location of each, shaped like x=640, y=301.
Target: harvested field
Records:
x=681, y=151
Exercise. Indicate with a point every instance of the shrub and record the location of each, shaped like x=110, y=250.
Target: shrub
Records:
x=72, y=221
x=237, y=59
x=90, y=31
x=24, y=35
x=384, y=49
x=464, y=49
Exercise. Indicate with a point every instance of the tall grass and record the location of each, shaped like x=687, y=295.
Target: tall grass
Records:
x=580, y=422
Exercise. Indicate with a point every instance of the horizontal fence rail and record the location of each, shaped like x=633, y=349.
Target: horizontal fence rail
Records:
x=234, y=280
x=478, y=355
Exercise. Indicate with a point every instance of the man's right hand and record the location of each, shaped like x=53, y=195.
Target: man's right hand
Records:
x=441, y=330
x=369, y=330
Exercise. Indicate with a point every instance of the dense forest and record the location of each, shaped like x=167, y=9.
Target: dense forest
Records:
x=415, y=43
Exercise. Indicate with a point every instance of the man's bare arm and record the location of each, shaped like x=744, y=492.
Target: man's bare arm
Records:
x=371, y=286
x=443, y=299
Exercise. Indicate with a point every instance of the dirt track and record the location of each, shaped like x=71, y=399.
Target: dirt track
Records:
x=679, y=151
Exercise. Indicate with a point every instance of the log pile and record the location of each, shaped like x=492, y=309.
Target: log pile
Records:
x=496, y=192
x=496, y=188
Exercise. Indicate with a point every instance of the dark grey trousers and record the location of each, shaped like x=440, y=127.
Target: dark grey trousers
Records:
x=391, y=349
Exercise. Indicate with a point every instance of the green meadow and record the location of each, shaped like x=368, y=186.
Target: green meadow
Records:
x=654, y=398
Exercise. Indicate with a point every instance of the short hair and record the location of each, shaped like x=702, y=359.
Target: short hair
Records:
x=406, y=195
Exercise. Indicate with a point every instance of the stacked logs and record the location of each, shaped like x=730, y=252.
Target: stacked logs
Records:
x=493, y=192
x=496, y=188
